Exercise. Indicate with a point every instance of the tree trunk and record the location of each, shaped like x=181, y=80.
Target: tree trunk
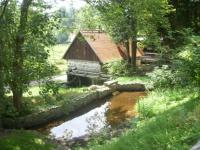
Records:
x=4, y=5
x=1, y=71
x=133, y=49
x=17, y=96
x=128, y=52
x=17, y=83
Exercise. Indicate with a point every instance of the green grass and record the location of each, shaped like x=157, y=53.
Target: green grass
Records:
x=24, y=140
x=169, y=120
x=56, y=57
x=161, y=100
x=36, y=102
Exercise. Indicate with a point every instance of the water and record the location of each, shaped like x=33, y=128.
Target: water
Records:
x=80, y=126
x=111, y=113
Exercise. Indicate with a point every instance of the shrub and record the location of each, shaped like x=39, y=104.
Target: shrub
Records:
x=7, y=109
x=49, y=88
x=118, y=68
x=161, y=77
x=185, y=68
x=188, y=61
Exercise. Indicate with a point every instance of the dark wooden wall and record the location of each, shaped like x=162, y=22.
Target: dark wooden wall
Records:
x=81, y=50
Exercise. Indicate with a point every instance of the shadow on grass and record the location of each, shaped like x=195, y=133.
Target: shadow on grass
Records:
x=39, y=103
x=24, y=140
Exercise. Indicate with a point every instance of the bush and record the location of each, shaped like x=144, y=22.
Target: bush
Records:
x=188, y=61
x=161, y=77
x=7, y=109
x=118, y=68
x=185, y=68
x=49, y=88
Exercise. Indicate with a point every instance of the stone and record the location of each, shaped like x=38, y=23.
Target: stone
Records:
x=110, y=83
x=115, y=93
x=94, y=87
x=196, y=147
x=131, y=87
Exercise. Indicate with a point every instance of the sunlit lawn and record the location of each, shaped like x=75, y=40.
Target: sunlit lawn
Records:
x=136, y=79
x=56, y=57
x=36, y=102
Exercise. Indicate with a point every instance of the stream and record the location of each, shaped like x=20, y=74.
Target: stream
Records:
x=91, y=119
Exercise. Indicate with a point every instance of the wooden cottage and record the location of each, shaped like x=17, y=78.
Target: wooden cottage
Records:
x=88, y=52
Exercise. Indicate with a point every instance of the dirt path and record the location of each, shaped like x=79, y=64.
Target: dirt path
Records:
x=59, y=78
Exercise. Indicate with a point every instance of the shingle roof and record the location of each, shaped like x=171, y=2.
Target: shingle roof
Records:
x=104, y=47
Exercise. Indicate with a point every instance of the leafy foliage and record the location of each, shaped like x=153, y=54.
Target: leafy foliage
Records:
x=161, y=77
x=184, y=69
x=50, y=88
x=72, y=20
x=27, y=31
x=190, y=10
x=188, y=62
x=88, y=18
x=119, y=68
x=66, y=22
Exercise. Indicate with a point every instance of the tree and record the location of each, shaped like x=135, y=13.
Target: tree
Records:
x=88, y=18
x=186, y=14
x=17, y=81
x=128, y=19
x=2, y=11
x=27, y=31
x=3, y=8
x=66, y=23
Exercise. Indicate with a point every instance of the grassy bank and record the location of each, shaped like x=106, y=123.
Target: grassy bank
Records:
x=24, y=140
x=36, y=102
x=33, y=101
x=169, y=120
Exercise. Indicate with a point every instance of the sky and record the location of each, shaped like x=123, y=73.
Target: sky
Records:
x=66, y=3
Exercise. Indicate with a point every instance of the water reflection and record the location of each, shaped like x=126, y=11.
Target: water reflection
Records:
x=122, y=107
x=82, y=125
x=112, y=113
